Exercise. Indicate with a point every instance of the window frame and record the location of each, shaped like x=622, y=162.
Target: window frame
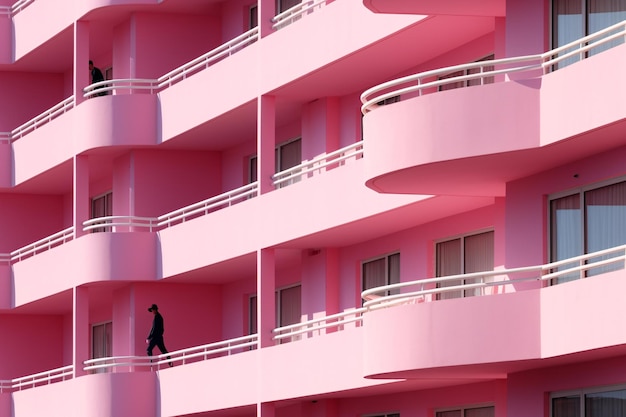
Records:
x=461, y=237
x=386, y=257
x=107, y=347
x=108, y=203
x=580, y=191
x=582, y=392
x=464, y=408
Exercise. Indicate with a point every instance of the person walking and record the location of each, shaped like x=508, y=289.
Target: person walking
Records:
x=155, y=338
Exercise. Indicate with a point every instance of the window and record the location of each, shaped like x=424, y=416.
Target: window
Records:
x=484, y=411
x=468, y=83
x=283, y=5
x=101, y=342
x=586, y=221
x=286, y=155
x=102, y=206
x=381, y=271
x=597, y=402
x=463, y=255
x=383, y=415
x=288, y=307
x=574, y=19
x=253, y=16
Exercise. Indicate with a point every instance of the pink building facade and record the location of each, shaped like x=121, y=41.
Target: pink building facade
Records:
x=343, y=208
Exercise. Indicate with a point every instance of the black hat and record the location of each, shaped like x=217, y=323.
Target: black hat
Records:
x=153, y=307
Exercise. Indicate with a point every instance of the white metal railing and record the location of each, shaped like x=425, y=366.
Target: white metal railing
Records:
x=5, y=10
x=182, y=356
x=43, y=118
x=579, y=266
x=43, y=244
x=153, y=86
x=119, y=224
x=320, y=164
x=296, y=12
x=6, y=386
x=234, y=45
x=123, y=84
x=19, y=5
x=226, y=199
x=41, y=378
x=5, y=137
x=321, y=325
x=5, y=258
x=485, y=71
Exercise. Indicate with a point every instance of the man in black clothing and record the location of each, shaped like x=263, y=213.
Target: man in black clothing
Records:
x=96, y=77
x=155, y=338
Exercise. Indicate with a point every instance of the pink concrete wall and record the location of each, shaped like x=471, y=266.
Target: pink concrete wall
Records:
x=47, y=17
x=235, y=164
x=166, y=181
x=192, y=244
x=235, y=306
x=192, y=314
x=6, y=44
x=118, y=394
x=567, y=111
x=530, y=390
x=234, y=18
x=527, y=23
x=122, y=58
x=526, y=203
x=32, y=94
x=165, y=41
x=416, y=247
x=26, y=218
x=91, y=258
x=38, y=337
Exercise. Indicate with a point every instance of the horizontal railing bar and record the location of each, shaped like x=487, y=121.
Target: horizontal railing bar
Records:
x=356, y=148
x=46, y=242
x=545, y=60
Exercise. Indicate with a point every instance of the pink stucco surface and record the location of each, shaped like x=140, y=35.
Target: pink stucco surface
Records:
x=430, y=168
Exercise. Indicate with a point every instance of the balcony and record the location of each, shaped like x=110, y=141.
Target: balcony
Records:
x=507, y=320
x=117, y=395
x=91, y=258
x=517, y=116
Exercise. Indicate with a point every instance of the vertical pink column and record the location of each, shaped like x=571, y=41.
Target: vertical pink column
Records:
x=266, y=313
x=266, y=142
x=332, y=281
x=81, y=193
x=80, y=350
x=332, y=124
x=266, y=10
x=82, y=77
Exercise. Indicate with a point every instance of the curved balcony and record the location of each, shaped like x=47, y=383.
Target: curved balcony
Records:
x=497, y=322
x=471, y=141
x=116, y=394
x=91, y=258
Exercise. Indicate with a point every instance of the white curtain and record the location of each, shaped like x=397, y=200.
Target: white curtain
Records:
x=605, y=221
x=478, y=257
x=449, y=263
x=565, y=232
x=290, y=311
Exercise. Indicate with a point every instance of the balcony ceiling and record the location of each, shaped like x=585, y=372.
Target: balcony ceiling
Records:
x=488, y=174
x=439, y=7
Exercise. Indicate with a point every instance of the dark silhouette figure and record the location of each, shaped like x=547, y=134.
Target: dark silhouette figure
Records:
x=96, y=77
x=155, y=338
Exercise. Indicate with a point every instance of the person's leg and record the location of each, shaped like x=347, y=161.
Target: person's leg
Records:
x=163, y=349
x=151, y=346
